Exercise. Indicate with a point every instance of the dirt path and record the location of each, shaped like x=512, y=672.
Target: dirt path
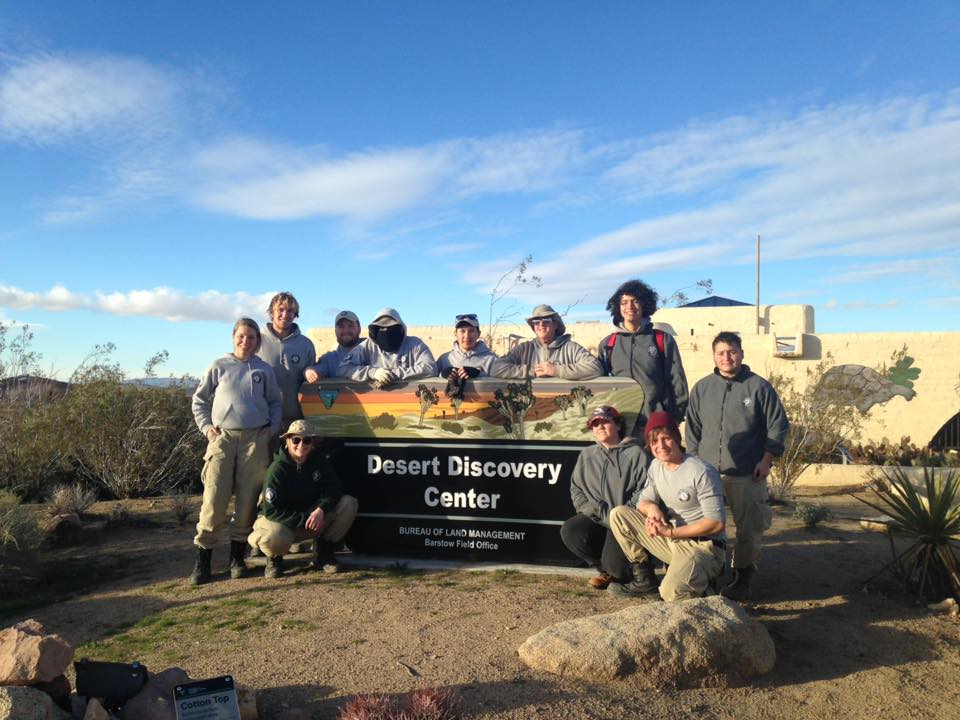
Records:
x=312, y=640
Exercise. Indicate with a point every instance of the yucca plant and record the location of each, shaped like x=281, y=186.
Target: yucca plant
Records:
x=930, y=564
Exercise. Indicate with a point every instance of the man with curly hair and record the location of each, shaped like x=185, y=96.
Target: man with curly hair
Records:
x=648, y=355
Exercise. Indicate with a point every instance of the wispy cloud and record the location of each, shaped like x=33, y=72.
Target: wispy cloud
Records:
x=866, y=305
x=162, y=302
x=844, y=181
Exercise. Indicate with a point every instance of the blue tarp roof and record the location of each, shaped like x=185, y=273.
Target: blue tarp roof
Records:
x=714, y=301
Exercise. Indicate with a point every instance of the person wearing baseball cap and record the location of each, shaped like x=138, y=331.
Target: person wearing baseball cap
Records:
x=388, y=355
x=470, y=357
x=346, y=326
x=610, y=473
x=553, y=353
x=679, y=518
x=302, y=500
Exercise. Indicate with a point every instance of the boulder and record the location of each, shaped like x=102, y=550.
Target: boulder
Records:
x=27, y=703
x=155, y=700
x=706, y=642
x=95, y=711
x=65, y=529
x=59, y=689
x=28, y=655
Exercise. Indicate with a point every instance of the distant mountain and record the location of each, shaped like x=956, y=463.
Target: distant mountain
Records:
x=188, y=383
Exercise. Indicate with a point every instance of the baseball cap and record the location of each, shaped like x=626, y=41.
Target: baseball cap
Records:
x=346, y=315
x=604, y=412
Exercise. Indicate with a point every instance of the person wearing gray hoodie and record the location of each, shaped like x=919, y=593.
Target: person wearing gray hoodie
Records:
x=553, y=353
x=388, y=355
x=608, y=474
x=470, y=357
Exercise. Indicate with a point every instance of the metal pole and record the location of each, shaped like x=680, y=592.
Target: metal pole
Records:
x=758, y=283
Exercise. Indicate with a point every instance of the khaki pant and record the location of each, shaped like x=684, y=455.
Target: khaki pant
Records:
x=692, y=563
x=751, y=513
x=235, y=464
x=274, y=539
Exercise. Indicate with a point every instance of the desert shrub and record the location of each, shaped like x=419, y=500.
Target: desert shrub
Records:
x=132, y=440
x=182, y=507
x=451, y=427
x=70, y=498
x=930, y=564
x=20, y=534
x=545, y=426
x=119, y=514
x=385, y=421
x=810, y=514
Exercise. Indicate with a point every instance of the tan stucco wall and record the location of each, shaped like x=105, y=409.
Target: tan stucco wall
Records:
x=936, y=355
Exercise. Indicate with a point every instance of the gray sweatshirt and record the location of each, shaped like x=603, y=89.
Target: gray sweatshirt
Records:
x=732, y=423
x=482, y=358
x=606, y=477
x=691, y=492
x=237, y=395
x=288, y=357
x=329, y=362
x=573, y=361
x=411, y=361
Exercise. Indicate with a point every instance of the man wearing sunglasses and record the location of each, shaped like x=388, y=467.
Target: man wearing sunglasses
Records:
x=302, y=500
x=553, y=353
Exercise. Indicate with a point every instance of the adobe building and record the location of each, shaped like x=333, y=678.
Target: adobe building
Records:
x=920, y=400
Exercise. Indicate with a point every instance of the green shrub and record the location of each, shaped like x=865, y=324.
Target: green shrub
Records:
x=20, y=534
x=810, y=514
x=451, y=427
x=385, y=421
x=930, y=564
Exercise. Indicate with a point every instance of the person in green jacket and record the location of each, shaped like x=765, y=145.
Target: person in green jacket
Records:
x=302, y=500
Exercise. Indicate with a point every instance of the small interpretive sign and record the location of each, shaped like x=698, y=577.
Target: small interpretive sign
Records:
x=213, y=699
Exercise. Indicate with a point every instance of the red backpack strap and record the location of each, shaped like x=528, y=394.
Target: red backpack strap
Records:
x=611, y=341
x=661, y=343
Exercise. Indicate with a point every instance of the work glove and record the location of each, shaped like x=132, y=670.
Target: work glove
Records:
x=382, y=377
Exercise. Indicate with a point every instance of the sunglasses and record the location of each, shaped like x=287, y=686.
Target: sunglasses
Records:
x=296, y=440
x=468, y=316
x=542, y=321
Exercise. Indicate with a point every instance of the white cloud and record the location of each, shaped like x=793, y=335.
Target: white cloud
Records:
x=831, y=304
x=46, y=99
x=161, y=302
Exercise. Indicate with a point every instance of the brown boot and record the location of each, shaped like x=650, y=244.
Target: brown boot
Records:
x=601, y=581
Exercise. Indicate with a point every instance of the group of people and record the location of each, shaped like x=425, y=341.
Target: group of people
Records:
x=635, y=504
x=637, y=493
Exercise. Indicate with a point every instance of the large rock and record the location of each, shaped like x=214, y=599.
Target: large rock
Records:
x=703, y=642
x=26, y=703
x=28, y=655
x=95, y=711
x=155, y=700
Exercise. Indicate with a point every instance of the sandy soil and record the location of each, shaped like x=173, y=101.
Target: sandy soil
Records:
x=312, y=641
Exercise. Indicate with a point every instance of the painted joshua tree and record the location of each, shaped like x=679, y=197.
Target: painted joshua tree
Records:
x=428, y=398
x=514, y=405
x=581, y=396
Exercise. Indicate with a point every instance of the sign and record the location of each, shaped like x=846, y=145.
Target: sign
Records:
x=482, y=477
x=214, y=699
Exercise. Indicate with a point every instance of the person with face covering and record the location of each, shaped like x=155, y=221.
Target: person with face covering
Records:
x=346, y=326
x=553, y=353
x=388, y=355
x=237, y=406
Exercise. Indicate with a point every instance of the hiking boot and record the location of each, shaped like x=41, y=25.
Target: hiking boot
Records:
x=238, y=566
x=274, y=567
x=201, y=568
x=601, y=581
x=323, y=557
x=739, y=589
x=644, y=583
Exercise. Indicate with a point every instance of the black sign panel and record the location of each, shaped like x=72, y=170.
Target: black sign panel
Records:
x=491, y=500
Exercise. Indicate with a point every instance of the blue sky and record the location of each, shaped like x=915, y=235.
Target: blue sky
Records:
x=166, y=167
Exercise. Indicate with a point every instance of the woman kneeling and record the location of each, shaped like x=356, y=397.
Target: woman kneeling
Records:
x=302, y=500
x=680, y=516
